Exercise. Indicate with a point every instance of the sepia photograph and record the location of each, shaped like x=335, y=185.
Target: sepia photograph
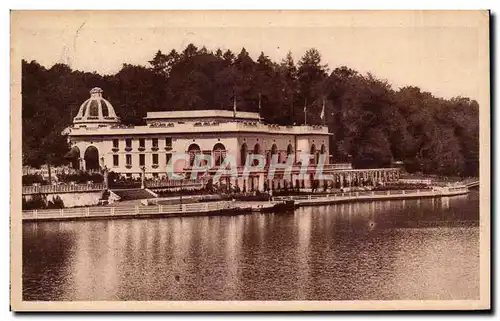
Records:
x=250, y=160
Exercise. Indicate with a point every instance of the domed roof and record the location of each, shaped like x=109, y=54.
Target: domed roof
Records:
x=96, y=110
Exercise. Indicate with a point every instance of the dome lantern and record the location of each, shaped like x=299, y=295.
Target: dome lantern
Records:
x=96, y=110
x=96, y=92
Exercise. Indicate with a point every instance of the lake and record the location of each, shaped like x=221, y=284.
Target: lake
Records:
x=384, y=250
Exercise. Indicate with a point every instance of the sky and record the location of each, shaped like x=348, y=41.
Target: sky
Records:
x=445, y=53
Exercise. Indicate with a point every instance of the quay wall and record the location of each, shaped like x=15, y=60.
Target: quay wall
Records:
x=138, y=211
x=74, y=199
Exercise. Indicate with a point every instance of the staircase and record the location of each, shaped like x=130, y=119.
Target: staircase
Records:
x=133, y=194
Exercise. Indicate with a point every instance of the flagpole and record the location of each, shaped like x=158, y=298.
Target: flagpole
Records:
x=322, y=115
x=234, y=106
x=305, y=112
x=260, y=97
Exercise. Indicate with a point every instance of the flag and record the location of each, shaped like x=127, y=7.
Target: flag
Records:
x=322, y=115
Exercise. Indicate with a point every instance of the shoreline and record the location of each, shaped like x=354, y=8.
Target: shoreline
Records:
x=227, y=208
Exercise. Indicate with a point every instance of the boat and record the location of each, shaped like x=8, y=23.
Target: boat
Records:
x=280, y=207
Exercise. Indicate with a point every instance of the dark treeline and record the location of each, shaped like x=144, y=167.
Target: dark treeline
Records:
x=373, y=124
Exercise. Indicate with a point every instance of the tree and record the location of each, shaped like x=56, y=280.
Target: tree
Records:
x=311, y=79
x=371, y=122
x=245, y=92
x=288, y=88
x=265, y=77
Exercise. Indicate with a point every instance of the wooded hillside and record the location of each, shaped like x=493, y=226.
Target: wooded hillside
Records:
x=373, y=123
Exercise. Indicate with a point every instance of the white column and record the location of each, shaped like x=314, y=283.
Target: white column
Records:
x=260, y=185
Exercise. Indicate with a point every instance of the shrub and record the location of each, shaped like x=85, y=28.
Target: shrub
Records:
x=31, y=179
x=56, y=202
x=37, y=201
x=81, y=178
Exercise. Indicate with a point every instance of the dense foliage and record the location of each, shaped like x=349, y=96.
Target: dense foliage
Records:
x=31, y=179
x=81, y=178
x=39, y=201
x=373, y=123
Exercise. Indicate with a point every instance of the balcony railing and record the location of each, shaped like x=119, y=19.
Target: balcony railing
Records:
x=48, y=189
x=166, y=183
x=128, y=148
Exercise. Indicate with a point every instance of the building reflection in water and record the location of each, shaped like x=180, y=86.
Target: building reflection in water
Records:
x=445, y=203
x=232, y=246
x=416, y=249
x=302, y=222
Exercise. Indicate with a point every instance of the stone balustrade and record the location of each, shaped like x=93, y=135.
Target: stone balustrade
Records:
x=55, y=189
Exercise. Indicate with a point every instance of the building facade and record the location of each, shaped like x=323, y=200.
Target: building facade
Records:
x=99, y=140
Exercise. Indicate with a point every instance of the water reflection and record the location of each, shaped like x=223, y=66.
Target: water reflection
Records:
x=412, y=249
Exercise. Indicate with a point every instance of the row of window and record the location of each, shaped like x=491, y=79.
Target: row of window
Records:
x=142, y=143
x=142, y=159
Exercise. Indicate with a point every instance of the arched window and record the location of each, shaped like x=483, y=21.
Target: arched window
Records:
x=243, y=154
x=314, y=154
x=219, y=153
x=322, y=152
x=289, y=150
x=193, y=150
x=91, y=157
x=274, y=151
x=256, y=151
x=105, y=110
x=94, y=108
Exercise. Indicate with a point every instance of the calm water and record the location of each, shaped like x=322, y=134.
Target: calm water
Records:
x=413, y=249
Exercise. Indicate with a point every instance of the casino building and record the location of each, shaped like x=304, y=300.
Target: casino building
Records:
x=99, y=139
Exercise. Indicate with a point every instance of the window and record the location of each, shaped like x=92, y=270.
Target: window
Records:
x=128, y=144
x=154, y=144
x=155, y=159
x=168, y=143
x=115, y=143
x=115, y=160
x=169, y=157
x=142, y=160
x=94, y=109
x=128, y=159
x=142, y=144
x=104, y=109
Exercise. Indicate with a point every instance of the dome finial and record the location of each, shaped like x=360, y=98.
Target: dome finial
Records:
x=96, y=92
